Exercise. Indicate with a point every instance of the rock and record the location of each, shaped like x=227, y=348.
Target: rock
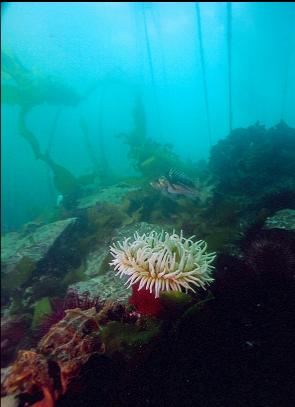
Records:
x=57, y=363
x=97, y=262
x=5, y=371
x=105, y=284
x=284, y=219
x=36, y=247
x=29, y=373
x=141, y=228
x=71, y=342
x=128, y=340
x=13, y=332
x=106, y=287
x=9, y=401
x=110, y=195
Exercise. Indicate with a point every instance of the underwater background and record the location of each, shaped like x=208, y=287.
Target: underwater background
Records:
x=116, y=52
x=147, y=204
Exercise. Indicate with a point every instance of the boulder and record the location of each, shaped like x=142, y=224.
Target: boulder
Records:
x=107, y=286
x=13, y=332
x=111, y=195
x=103, y=282
x=284, y=219
x=36, y=247
x=97, y=261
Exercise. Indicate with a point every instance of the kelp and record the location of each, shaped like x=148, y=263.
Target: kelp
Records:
x=64, y=181
x=139, y=133
x=204, y=73
x=30, y=88
x=53, y=128
x=102, y=154
x=102, y=171
x=89, y=147
x=28, y=135
x=148, y=156
x=10, y=95
x=14, y=69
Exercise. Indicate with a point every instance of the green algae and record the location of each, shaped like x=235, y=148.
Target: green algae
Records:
x=41, y=309
x=21, y=274
x=124, y=338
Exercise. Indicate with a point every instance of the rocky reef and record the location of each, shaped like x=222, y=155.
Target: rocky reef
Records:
x=74, y=334
x=255, y=166
x=42, y=375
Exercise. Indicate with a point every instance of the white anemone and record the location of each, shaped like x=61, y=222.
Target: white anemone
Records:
x=162, y=262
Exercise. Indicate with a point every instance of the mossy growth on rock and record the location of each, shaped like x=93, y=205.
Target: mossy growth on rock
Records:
x=122, y=339
x=42, y=308
x=74, y=275
x=256, y=164
x=18, y=277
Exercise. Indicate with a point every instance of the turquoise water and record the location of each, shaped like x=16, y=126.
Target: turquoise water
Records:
x=148, y=204
x=121, y=49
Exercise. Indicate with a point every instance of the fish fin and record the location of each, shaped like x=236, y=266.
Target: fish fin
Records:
x=177, y=177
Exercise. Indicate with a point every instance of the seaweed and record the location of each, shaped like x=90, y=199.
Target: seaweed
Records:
x=126, y=339
x=64, y=181
x=41, y=310
x=31, y=88
x=89, y=148
x=19, y=276
x=28, y=135
x=73, y=276
x=10, y=94
x=148, y=156
x=255, y=164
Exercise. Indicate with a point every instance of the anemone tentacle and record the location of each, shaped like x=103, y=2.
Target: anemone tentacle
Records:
x=162, y=262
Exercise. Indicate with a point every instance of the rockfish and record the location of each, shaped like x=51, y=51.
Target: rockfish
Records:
x=175, y=183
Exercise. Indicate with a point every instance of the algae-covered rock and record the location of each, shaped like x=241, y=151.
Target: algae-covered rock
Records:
x=105, y=218
x=141, y=228
x=175, y=302
x=35, y=247
x=194, y=313
x=243, y=167
x=111, y=195
x=107, y=286
x=13, y=334
x=44, y=286
x=74, y=275
x=284, y=219
x=97, y=262
x=125, y=338
x=20, y=275
x=104, y=282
